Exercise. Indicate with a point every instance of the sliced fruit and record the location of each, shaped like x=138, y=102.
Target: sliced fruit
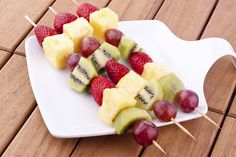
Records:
x=171, y=85
x=103, y=54
x=85, y=9
x=57, y=48
x=114, y=100
x=137, y=60
x=151, y=93
x=97, y=87
x=41, y=32
x=82, y=75
x=102, y=20
x=63, y=18
x=126, y=47
x=155, y=70
x=127, y=117
x=132, y=83
x=77, y=30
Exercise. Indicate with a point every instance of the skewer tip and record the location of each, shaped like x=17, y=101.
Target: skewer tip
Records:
x=30, y=21
x=52, y=10
x=74, y=1
x=159, y=147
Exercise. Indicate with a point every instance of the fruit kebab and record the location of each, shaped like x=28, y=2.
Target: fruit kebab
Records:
x=146, y=93
x=143, y=65
x=117, y=109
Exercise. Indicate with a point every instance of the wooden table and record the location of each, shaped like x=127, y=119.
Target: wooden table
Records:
x=22, y=131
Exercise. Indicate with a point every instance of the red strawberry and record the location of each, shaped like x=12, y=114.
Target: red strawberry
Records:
x=137, y=60
x=85, y=9
x=61, y=19
x=97, y=87
x=115, y=70
x=42, y=32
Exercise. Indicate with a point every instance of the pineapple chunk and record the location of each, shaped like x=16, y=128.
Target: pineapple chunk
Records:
x=102, y=20
x=114, y=100
x=132, y=83
x=57, y=48
x=77, y=30
x=155, y=70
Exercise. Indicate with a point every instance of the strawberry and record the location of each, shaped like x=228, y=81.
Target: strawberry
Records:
x=85, y=9
x=97, y=87
x=42, y=32
x=115, y=70
x=61, y=19
x=137, y=60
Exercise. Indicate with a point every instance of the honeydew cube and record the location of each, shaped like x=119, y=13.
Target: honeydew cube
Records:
x=103, y=20
x=114, y=100
x=77, y=30
x=132, y=83
x=57, y=48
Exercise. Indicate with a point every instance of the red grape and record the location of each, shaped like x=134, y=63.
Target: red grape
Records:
x=144, y=132
x=88, y=45
x=164, y=110
x=72, y=61
x=187, y=100
x=113, y=36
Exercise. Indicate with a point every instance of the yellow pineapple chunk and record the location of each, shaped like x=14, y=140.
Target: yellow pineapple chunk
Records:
x=114, y=100
x=155, y=70
x=57, y=48
x=102, y=20
x=77, y=30
x=132, y=83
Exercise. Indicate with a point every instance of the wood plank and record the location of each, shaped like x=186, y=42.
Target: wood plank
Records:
x=133, y=10
x=232, y=111
x=35, y=140
x=16, y=99
x=186, y=18
x=176, y=143
x=219, y=84
x=59, y=5
x=221, y=80
x=226, y=143
x=4, y=56
x=107, y=146
x=14, y=27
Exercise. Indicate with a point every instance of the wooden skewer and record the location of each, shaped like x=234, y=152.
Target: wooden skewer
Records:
x=53, y=10
x=30, y=21
x=209, y=119
x=182, y=128
x=75, y=2
x=159, y=147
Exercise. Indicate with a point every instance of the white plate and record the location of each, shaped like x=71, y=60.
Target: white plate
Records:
x=70, y=114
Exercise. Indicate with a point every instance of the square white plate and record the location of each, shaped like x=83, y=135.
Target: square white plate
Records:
x=70, y=114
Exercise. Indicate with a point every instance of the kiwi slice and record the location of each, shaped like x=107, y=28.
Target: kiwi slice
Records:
x=82, y=75
x=128, y=116
x=170, y=84
x=104, y=53
x=151, y=93
x=126, y=46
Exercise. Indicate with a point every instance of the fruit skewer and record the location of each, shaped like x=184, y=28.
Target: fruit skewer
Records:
x=121, y=75
x=143, y=64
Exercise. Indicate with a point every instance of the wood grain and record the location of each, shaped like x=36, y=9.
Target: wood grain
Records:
x=226, y=143
x=15, y=27
x=186, y=18
x=221, y=79
x=59, y=5
x=16, y=99
x=35, y=140
x=135, y=9
x=232, y=111
x=4, y=56
x=177, y=144
x=107, y=146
